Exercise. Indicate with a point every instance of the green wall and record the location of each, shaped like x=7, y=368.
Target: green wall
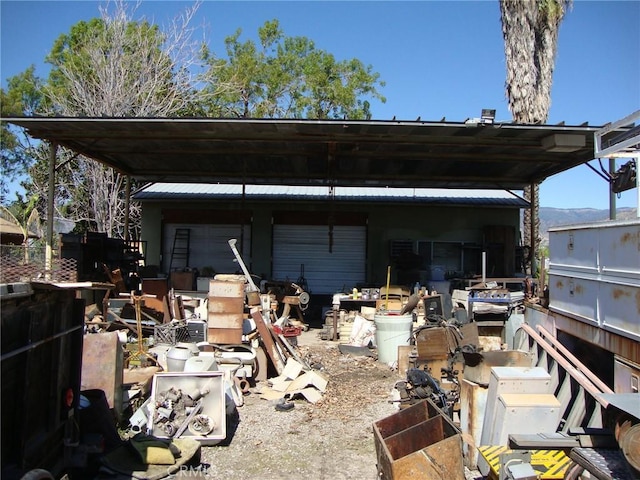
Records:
x=386, y=222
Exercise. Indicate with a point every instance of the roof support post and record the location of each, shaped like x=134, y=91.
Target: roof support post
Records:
x=127, y=207
x=534, y=230
x=612, y=195
x=53, y=148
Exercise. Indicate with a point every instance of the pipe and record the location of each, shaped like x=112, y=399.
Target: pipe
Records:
x=127, y=208
x=564, y=363
x=386, y=304
x=583, y=369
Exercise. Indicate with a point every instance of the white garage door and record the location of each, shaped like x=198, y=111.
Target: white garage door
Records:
x=209, y=246
x=305, y=248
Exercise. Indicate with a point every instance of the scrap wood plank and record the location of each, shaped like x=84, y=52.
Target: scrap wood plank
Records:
x=267, y=338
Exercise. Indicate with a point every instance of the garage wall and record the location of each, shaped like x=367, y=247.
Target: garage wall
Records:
x=209, y=246
x=303, y=250
x=384, y=223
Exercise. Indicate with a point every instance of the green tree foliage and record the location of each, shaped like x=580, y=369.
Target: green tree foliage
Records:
x=115, y=66
x=286, y=77
x=22, y=97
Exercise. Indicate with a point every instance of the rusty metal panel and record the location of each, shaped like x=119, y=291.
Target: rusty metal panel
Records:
x=619, y=308
x=102, y=361
x=225, y=320
x=225, y=305
x=574, y=296
x=598, y=285
x=473, y=402
x=619, y=252
x=626, y=376
x=224, y=335
x=418, y=442
x=220, y=288
x=574, y=248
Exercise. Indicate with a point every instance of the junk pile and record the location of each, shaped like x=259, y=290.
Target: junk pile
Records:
x=177, y=367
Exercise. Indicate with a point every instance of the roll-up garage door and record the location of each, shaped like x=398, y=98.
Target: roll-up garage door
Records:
x=304, y=249
x=209, y=246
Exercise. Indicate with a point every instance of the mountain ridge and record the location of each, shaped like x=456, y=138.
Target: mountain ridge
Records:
x=554, y=217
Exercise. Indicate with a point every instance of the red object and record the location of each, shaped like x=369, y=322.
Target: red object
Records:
x=287, y=331
x=68, y=398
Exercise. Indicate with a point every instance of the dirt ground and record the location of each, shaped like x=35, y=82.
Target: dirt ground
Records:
x=332, y=439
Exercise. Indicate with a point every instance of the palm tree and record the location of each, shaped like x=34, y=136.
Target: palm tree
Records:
x=530, y=30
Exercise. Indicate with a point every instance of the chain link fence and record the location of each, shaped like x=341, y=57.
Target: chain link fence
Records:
x=19, y=263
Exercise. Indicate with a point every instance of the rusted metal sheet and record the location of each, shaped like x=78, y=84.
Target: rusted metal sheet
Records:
x=418, y=442
x=595, y=275
x=102, y=366
x=225, y=320
x=473, y=402
x=224, y=335
x=228, y=289
x=624, y=347
x=225, y=304
x=477, y=365
x=268, y=341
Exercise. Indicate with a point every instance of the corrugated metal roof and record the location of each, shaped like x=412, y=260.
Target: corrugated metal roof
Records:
x=202, y=191
x=311, y=152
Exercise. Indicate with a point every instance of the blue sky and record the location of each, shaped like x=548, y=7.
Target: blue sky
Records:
x=438, y=58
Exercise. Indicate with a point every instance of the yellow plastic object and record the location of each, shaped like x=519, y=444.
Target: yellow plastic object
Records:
x=550, y=464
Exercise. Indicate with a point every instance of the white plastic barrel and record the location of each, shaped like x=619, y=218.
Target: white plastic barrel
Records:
x=392, y=331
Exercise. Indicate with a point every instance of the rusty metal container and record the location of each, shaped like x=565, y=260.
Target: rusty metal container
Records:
x=594, y=275
x=225, y=311
x=420, y=441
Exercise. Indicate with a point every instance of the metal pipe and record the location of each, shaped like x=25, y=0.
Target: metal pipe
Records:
x=578, y=376
x=534, y=228
x=583, y=369
x=53, y=147
x=612, y=196
x=232, y=244
x=127, y=208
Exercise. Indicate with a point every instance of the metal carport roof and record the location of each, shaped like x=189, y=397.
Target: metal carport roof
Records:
x=323, y=152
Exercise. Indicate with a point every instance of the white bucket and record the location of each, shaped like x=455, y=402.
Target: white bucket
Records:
x=392, y=331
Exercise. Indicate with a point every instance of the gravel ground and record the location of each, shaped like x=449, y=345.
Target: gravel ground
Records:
x=332, y=439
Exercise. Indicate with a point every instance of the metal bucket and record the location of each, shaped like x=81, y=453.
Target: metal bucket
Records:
x=178, y=355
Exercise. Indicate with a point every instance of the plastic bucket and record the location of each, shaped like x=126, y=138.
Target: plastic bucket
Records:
x=392, y=331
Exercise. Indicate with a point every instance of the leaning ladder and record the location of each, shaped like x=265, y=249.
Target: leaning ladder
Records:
x=180, y=250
